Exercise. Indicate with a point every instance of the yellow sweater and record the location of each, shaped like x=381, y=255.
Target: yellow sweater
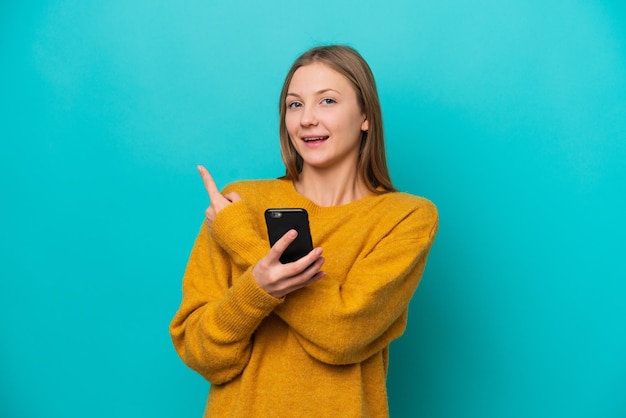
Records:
x=322, y=351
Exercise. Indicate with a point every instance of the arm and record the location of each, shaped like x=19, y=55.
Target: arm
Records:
x=349, y=322
x=212, y=330
x=239, y=236
x=223, y=302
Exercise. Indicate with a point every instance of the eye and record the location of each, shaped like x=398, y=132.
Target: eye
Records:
x=328, y=100
x=294, y=105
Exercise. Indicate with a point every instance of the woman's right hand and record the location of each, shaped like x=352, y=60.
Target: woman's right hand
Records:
x=280, y=279
x=218, y=200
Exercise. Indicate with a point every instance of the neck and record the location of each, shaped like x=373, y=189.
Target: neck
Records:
x=331, y=187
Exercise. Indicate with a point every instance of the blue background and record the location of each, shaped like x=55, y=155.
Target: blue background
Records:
x=509, y=115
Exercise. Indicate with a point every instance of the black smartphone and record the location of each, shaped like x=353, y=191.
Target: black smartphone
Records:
x=281, y=220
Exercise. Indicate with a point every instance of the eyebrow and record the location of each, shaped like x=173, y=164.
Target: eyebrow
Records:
x=317, y=93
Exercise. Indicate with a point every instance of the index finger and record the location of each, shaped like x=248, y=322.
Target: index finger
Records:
x=209, y=183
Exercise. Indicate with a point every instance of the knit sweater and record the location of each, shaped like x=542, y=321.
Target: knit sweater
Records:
x=321, y=351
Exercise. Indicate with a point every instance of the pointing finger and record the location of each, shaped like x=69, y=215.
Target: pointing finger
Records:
x=209, y=183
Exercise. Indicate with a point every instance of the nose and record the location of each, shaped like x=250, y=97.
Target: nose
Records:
x=308, y=117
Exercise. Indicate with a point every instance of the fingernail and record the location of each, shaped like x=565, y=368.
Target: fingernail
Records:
x=318, y=251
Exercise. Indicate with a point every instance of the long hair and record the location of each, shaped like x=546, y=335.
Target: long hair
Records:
x=372, y=164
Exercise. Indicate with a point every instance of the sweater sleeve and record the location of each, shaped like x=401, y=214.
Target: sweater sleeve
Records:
x=236, y=231
x=212, y=330
x=349, y=322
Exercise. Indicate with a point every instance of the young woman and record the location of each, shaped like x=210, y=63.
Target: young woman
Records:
x=308, y=338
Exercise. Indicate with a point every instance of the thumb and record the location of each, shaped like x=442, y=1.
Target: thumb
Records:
x=233, y=196
x=281, y=245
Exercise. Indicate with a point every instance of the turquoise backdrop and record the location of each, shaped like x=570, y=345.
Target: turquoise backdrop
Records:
x=509, y=115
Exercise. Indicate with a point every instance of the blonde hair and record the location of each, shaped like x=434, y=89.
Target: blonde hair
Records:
x=372, y=165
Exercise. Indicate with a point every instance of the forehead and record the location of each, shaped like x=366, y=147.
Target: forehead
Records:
x=317, y=77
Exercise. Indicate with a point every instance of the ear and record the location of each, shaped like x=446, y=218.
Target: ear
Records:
x=365, y=126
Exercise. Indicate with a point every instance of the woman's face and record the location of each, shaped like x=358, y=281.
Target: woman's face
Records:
x=323, y=117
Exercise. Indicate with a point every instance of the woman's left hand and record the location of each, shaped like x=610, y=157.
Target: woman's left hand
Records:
x=218, y=200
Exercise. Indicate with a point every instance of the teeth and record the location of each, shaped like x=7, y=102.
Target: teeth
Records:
x=319, y=138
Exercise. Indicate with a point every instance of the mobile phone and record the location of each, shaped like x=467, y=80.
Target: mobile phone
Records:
x=281, y=220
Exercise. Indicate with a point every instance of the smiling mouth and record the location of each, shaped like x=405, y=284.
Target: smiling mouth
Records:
x=315, y=139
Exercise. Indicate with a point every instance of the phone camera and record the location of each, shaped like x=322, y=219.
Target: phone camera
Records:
x=277, y=214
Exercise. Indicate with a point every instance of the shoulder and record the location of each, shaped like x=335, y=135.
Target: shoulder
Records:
x=414, y=214
x=401, y=202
